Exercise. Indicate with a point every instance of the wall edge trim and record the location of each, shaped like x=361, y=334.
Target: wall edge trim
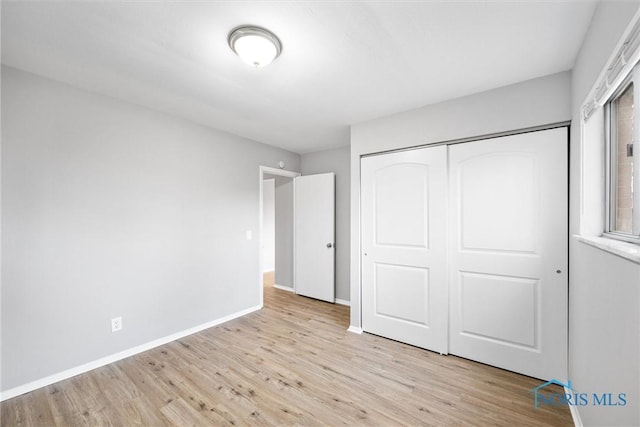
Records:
x=355, y=330
x=283, y=288
x=575, y=415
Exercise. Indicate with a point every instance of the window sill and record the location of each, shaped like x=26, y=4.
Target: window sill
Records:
x=626, y=250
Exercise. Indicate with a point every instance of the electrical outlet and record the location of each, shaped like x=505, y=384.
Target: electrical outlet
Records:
x=116, y=324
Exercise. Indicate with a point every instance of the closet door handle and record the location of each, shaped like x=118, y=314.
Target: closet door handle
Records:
x=329, y=245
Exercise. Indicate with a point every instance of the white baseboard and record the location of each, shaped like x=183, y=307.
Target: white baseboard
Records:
x=268, y=270
x=289, y=289
x=51, y=379
x=355, y=329
x=574, y=411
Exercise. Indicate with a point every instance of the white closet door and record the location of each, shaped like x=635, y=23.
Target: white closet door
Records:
x=508, y=252
x=404, y=280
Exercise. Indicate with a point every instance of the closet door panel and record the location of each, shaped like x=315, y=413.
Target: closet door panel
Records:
x=404, y=289
x=508, y=252
x=465, y=250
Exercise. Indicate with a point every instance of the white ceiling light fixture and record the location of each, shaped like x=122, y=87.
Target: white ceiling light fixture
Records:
x=256, y=46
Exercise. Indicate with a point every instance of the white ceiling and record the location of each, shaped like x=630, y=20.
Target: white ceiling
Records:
x=343, y=62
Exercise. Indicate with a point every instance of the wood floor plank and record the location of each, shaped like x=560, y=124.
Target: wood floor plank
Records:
x=291, y=363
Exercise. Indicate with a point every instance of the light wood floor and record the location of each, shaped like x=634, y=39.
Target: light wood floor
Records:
x=292, y=363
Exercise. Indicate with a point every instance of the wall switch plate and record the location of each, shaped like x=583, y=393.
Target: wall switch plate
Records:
x=116, y=324
x=249, y=235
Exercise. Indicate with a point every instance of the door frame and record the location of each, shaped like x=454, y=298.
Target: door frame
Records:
x=278, y=172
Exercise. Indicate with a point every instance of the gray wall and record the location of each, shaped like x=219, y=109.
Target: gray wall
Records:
x=532, y=103
x=338, y=162
x=268, y=225
x=604, y=290
x=110, y=209
x=284, y=232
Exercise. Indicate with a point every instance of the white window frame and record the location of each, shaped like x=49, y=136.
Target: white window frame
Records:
x=610, y=163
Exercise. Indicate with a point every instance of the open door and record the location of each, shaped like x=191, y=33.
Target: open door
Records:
x=314, y=221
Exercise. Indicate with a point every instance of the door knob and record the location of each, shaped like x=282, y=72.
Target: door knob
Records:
x=329, y=245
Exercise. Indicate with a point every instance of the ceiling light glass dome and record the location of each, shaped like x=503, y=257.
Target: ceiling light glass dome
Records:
x=255, y=45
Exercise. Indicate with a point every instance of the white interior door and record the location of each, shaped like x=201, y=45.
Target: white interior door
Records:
x=315, y=236
x=508, y=252
x=404, y=280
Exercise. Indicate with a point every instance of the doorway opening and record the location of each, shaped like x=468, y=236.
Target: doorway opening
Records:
x=276, y=229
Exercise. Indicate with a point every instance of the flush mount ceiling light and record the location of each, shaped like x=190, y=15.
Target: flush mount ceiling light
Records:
x=255, y=45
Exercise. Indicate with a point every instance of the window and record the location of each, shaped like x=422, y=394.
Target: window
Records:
x=623, y=203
